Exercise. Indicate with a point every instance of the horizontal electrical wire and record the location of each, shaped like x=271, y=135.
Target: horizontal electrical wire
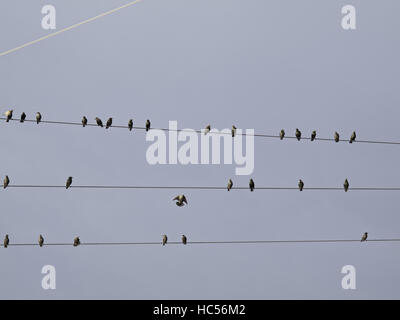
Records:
x=27, y=186
x=211, y=133
x=69, y=28
x=230, y=242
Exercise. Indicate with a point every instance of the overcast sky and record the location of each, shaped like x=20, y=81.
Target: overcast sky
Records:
x=263, y=65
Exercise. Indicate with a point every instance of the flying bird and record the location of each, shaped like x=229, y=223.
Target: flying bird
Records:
x=130, y=124
x=251, y=185
x=38, y=117
x=6, y=241
x=313, y=135
x=298, y=134
x=184, y=239
x=77, y=242
x=233, y=131
x=41, y=240
x=99, y=122
x=181, y=199
x=84, y=121
x=23, y=116
x=353, y=137
x=346, y=185
x=336, y=137
x=282, y=134
x=8, y=115
x=164, y=240
x=6, y=182
x=207, y=129
x=230, y=184
x=301, y=185
x=148, y=125
x=69, y=182
x=109, y=123
x=364, y=237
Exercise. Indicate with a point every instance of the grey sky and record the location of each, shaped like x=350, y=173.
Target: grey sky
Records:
x=257, y=64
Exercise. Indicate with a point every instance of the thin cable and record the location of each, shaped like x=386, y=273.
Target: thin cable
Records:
x=203, y=242
x=211, y=133
x=27, y=186
x=69, y=28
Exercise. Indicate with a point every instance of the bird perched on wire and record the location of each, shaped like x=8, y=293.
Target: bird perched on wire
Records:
x=148, y=124
x=23, y=117
x=298, y=134
x=164, y=240
x=6, y=241
x=313, y=135
x=6, y=182
x=251, y=185
x=282, y=134
x=108, y=123
x=301, y=185
x=41, y=240
x=69, y=182
x=38, y=117
x=84, y=121
x=181, y=199
x=8, y=115
x=184, y=239
x=353, y=137
x=346, y=185
x=99, y=122
x=207, y=129
x=233, y=131
x=336, y=137
x=364, y=237
x=130, y=124
x=230, y=184
x=77, y=241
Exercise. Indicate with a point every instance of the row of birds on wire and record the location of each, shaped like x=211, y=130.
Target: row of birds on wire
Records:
x=99, y=122
x=77, y=240
x=164, y=240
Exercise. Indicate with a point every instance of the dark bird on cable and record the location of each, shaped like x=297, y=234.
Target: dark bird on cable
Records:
x=6, y=241
x=148, y=125
x=251, y=185
x=38, y=117
x=84, y=121
x=164, y=240
x=233, y=131
x=346, y=185
x=69, y=182
x=6, y=182
x=230, y=184
x=301, y=185
x=99, y=122
x=8, y=115
x=207, y=129
x=353, y=137
x=41, y=240
x=23, y=117
x=282, y=134
x=77, y=241
x=184, y=239
x=298, y=134
x=180, y=200
x=130, y=124
x=108, y=123
x=313, y=135
x=364, y=237
x=336, y=137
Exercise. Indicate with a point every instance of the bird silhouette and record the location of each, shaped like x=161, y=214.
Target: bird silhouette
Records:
x=108, y=123
x=346, y=185
x=77, y=241
x=38, y=117
x=301, y=185
x=207, y=129
x=184, y=239
x=6, y=182
x=251, y=185
x=353, y=137
x=282, y=134
x=69, y=182
x=336, y=137
x=230, y=184
x=41, y=240
x=164, y=240
x=364, y=237
x=148, y=124
x=84, y=121
x=99, y=122
x=6, y=241
x=181, y=199
x=23, y=117
x=233, y=131
x=130, y=124
x=8, y=115
x=298, y=134
x=313, y=135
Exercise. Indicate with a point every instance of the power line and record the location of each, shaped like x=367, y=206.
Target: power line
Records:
x=229, y=242
x=68, y=28
x=258, y=135
x=202, y=187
